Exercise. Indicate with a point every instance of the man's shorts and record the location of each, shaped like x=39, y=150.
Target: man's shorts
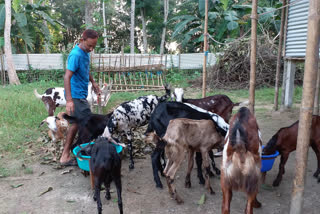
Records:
x=82, y=110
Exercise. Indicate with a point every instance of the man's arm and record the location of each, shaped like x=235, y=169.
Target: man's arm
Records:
x=95, y=86
x=67, y=88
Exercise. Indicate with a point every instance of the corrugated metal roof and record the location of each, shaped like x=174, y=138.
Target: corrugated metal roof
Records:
x=297, y=26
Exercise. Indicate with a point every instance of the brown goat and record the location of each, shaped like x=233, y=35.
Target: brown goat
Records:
x=241, y=163
x=189, y=135
x=58, y=128
x=285, y=141
x=219, y=104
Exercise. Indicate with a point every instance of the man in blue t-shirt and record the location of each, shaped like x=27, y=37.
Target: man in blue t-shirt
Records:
x=76, y=80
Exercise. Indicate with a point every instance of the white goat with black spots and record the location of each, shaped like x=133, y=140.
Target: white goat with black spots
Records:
x=130, y=115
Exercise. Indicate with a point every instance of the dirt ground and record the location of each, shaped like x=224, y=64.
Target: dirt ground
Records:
x=71, y=192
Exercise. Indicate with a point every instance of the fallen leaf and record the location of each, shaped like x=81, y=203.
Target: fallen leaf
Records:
x=71, y=201
x=16, y=186
x=48, y=190
x=42, y=173
x=202, y=199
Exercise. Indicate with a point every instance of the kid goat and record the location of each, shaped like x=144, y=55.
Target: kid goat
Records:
x=130, y=115
x=241, y=162
x=285, y=141
x=159, y=122
x=105, y=166
x=189, y=135
x=54, y=97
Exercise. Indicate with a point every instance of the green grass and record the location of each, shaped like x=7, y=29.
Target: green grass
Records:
x=21, y=113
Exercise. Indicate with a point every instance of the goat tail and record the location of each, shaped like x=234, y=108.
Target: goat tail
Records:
x=37, y=94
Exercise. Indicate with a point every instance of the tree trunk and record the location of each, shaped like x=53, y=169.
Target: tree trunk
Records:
x=144, y=31
x=13, y=78
x=105, y=40
x=88, y=14
x=133, y=5
x=165, y=19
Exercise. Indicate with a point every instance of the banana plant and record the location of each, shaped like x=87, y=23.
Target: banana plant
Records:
x=27, y=24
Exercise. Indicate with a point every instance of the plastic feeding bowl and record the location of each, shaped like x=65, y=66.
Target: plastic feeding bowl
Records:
x=267, y=161
x=83, y=160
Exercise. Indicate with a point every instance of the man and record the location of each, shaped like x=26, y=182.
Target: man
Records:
x=76, y=80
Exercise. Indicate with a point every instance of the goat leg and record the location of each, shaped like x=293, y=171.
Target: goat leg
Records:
x=173, y=190
x=213, y=163
x=96, y=196
x=206, y=167
x=119, y=190
x=107, y=186
x=187, y=183
x=226, y=199
x=155, y=159
x=283, y=160
x=250, y=203
x=317, y=152
x=199, y=167
x=131, y=165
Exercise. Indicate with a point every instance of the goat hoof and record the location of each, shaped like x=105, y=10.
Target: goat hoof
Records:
x=159, y=185
x=256, y=204
x=94, y=198
x=131, y=166
x=275, y=183
x=211, y=174
x=211, y=191
x=201, y=181
x=316, y=174
x=218, y=172
x=187, y=184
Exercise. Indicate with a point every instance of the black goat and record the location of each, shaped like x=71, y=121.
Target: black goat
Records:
x=105, y=166
x=159, y=121
x=91, y=128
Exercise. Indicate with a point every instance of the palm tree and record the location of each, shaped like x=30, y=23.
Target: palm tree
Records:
x=13, y=77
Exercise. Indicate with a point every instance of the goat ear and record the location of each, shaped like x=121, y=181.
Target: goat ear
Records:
x=57, y=118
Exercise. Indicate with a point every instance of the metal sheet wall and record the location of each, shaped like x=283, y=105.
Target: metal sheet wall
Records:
x=297, y=25
x=55, y=61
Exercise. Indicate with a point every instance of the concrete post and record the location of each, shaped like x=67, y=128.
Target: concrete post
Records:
x=289, y=86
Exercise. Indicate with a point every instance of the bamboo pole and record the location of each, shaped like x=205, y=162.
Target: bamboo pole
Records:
x=309, y=82
x=3, y=71
x=276, y=93
x=254, y=19
x=204, y=73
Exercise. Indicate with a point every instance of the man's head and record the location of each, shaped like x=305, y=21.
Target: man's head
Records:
x=89, y=40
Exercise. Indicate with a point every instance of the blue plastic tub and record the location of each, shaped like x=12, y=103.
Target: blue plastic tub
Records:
x=83, y=161
x=267, y=161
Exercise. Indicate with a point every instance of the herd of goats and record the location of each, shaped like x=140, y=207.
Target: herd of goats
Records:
x=177, y=127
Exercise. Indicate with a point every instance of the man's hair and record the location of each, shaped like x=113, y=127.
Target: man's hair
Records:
x=92, y=34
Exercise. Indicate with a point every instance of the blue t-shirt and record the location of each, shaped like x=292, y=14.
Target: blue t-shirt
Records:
x=79, y=63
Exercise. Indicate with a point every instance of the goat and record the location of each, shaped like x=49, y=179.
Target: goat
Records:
x=91, y=128
x=54, y=97
x=105, y=166
x=58, y=128
x=188, y=135
x=130, y=115
x=285, y=141
x=159, y=122
x=219, y=104
x=241, y=162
